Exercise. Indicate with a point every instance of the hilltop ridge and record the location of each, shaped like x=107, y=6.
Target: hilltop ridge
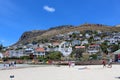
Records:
x=38, y=35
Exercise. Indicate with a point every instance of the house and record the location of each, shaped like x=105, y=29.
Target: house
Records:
x=29, y=45
x=113, y=41
x=87, y=35
x=76, y=32
x=84, y=42
x=67, y=37
x=97, y=38
x=6, y=54
x=106, y=38
x=35, y=46
x=1, y=55
x=28, y=52
x=55, y=44
x=99, y=32
x=16, y=53
x=40, y=45
x=65, y=48
x=116, y=56
x=93, y=49
x=80, y=50
x=81, y=35
x=98, y=42
x=40, y=52
x=76, y=42
x=80, y=47
x=70, y=33
x=47, y=46
x=117, y=38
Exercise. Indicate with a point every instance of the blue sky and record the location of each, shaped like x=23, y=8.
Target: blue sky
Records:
x=18, y=16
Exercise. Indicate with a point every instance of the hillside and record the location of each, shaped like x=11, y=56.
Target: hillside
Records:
x=38, y=35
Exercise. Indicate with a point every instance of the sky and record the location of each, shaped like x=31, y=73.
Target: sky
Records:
x=18, y=16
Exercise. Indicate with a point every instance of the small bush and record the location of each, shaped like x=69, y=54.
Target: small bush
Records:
x=93, y=56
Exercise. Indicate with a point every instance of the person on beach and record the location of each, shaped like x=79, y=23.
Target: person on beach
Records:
x=5, y=65
x=14, y=63
x=104, y=63
x=69, y=64
x=110, y=63
x=9, y=64
x=72, y=64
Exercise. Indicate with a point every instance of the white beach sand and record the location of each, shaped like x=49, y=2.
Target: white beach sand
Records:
x=89, y=72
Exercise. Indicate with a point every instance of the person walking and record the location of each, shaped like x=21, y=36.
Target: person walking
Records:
x=104, y=63
x=110, y=63
x=69, y=64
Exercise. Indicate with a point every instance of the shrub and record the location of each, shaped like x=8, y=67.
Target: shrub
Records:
x=93, y=56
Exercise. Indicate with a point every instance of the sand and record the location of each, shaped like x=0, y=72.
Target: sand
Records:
x=89, y=72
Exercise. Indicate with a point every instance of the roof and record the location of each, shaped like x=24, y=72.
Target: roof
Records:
x=94, y=45
x=56, y=43
x=117, y=52
x=40, y=50
x=28, y=49
x=79, y=46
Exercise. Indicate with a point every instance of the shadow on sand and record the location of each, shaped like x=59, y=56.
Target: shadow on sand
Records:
x=117, y=77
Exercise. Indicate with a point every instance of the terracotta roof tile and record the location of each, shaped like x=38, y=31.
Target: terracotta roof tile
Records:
x=79, y=46
x=40, y=49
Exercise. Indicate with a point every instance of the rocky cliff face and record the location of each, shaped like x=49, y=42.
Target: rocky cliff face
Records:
x=30, y=35
x=37, y=35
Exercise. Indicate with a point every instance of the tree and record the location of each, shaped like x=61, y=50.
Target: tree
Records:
x=94, y=56
x=85, y=57
x=114, y=47
x=55, y=55
x=34, y=42
x=1, y=47
x=74, y=35
x=104, y=47
x=41, y=58
x=91, y=39
x=95, y=32
x=78, y=53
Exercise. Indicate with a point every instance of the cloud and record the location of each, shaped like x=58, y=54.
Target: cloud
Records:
x=49, y=9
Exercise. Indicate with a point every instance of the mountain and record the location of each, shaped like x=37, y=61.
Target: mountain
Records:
x=38, y=35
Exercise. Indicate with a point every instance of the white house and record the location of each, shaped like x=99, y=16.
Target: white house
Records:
x=117, y=55
x=113, y=41
x=15, y=53
x=39, y=52
x=84, y=42
x=117, y=38
x=29, y=45
x=87, y=35
x=97, y=38
x=28, y=51
x=65, y=48
x=93, y=49
x=1, y=55
x=76, y=42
